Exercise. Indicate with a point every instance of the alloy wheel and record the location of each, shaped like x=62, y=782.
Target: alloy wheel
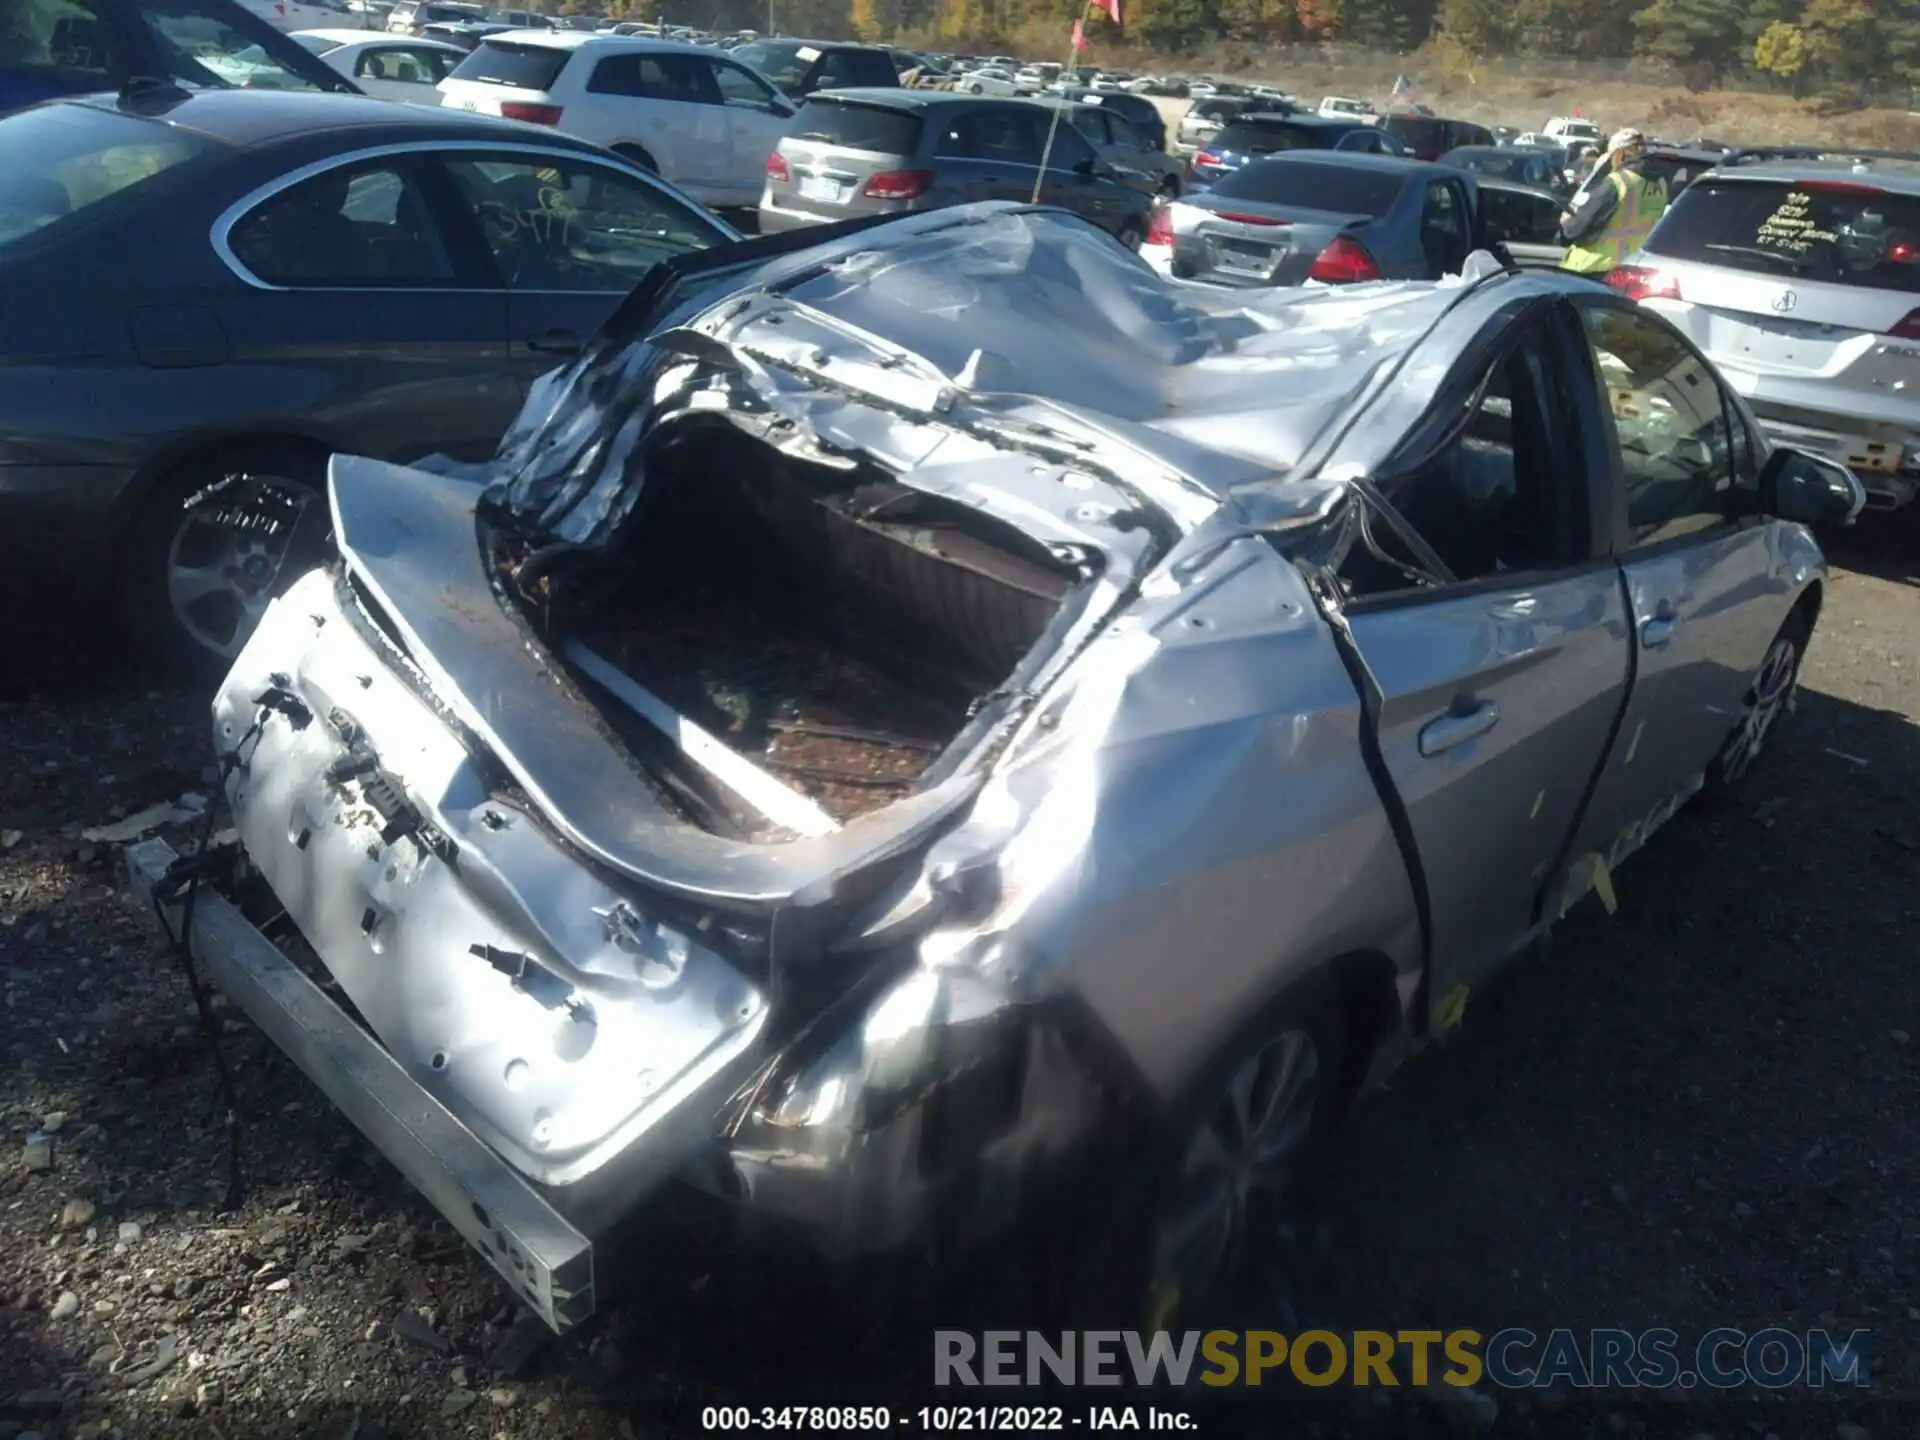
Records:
x=1242, y=1153
x=1770, y=694
x=227, y=557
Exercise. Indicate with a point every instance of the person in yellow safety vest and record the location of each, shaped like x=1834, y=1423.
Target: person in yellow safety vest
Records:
x=1623, y=200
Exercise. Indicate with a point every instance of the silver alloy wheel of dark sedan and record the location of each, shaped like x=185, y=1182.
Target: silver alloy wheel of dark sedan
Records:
x=1243, y=1150
x=229, y=555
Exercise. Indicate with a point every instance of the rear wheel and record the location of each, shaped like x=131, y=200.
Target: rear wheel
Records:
x=1132, y=234
x=214, y=543
x=1768, y=698
x=1170, y=188
x=1182, y=1226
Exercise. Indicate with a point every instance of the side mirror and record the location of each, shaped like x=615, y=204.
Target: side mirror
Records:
x=1798, y=485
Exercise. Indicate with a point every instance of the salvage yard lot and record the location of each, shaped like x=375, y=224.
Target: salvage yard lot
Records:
x=1700, y=1111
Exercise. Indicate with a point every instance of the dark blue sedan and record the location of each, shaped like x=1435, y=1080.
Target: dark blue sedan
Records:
x=1255, y=136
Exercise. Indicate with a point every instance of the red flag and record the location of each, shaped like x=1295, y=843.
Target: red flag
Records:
x=1112, y=7
x=1079, y=34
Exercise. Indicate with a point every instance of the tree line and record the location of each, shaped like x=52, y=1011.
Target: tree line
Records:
x=1865, y=49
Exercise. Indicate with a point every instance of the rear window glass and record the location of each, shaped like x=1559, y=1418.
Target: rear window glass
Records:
x=525, y=67
x=780, y=62
x=1312, y=187
x=858, y=127
x=847, y=68
x=64, y=158
x=1219, y=109
x=1413, y=129
x=1258, y=138
x=1840, y=232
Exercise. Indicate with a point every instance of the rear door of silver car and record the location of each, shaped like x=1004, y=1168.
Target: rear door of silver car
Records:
x=1495, y=691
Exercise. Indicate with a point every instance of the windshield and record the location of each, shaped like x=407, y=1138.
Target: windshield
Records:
x=206, y=43
x=1307, y=186
x=780, y=61
x=1843, y=232
x=62, y=159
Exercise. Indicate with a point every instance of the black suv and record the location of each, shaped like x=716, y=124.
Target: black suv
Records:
x=800, y=67
x=1144, y=115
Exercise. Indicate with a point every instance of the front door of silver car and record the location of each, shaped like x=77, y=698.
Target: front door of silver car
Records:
x=1696, y=557
x=1496, y=689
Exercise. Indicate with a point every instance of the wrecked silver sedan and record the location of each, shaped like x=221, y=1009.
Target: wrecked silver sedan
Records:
x=918, y=714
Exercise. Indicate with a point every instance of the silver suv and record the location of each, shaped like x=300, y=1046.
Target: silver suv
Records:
x=1800, y=277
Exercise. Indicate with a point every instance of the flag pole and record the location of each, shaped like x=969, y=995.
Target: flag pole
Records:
x=1053, y=126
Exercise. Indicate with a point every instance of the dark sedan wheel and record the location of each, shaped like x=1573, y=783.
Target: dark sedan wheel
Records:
x=1170, y=188
x=216, y=543
x=1768, y=698
x=1132, y=234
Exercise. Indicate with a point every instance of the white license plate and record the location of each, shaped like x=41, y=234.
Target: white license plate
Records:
x=819, y=187
x=469, y=104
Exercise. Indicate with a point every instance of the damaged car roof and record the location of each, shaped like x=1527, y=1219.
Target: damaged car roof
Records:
x=1020, y=313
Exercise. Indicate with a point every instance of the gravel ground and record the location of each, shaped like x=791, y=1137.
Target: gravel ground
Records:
x=1702, y=1111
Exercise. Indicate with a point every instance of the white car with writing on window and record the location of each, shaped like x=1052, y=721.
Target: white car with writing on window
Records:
x=392, y=67
x=695, y=116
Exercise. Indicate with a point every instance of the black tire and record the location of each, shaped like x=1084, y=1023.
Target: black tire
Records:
x=1103, y=1254
x=1769, y=697
x=279, y=484
x=1132, y=234
x=1170, y=188
x=638, y=156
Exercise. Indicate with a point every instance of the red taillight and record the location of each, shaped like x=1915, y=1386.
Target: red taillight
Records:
x=1344, y=262
x=1642, y=282
x=1160, y=227
x=777, y=167
x=1205, y=157
x=531, y=113
x=1245, y=219
x=1909, y=328
x=897, y=184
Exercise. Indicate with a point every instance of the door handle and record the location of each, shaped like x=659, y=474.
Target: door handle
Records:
x=1457, y=728
x=1657, y=633
x=555, y=342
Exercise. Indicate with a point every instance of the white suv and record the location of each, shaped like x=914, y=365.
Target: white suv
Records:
x=691, y=115
x=1565, y=129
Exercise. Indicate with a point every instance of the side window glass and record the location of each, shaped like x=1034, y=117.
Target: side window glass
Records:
x=574, y=227
x=69, y=37
x=1493, y=498
x=356, y=226
x=741, y=90
x=1092, y=124
x=1670, y=421
x=1125, y=133
x=401, y=65
x=1006, y=137
x=1069, y=148
x=616, y=75
x=1443, y=228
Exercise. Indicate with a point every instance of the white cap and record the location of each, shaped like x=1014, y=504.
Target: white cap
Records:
x=1626, y=139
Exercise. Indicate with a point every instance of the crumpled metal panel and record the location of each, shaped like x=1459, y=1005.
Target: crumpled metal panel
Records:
x=978, y=316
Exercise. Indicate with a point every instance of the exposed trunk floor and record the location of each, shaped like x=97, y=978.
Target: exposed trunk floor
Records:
x=833, y=727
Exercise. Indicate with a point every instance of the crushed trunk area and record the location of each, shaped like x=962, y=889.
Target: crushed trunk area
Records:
x=799, y=644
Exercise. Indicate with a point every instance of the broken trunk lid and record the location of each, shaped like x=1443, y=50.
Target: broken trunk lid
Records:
x=409, y=538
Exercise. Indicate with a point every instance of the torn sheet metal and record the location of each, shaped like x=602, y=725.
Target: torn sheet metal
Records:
x=1019, y=324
